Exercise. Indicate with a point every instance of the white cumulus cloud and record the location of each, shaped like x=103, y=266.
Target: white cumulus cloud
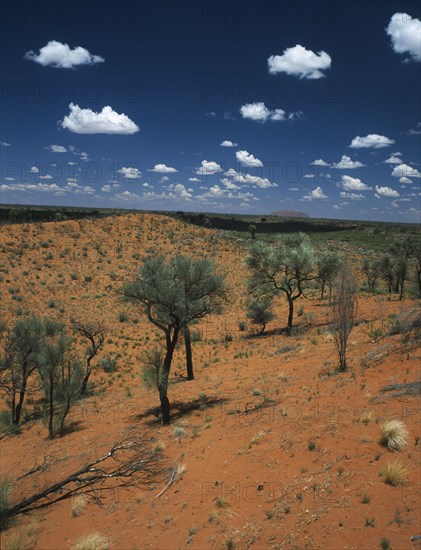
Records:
x=404, y=180
x=208, y=168
x=346, y=163
x=393, y=159
x=130, y=173
x=61, y=56
x=319, y=162
x=405, y=171
x=353, y=184
x=300, y=62
x=260, y=113
x=228, y=143
x=372, y=141
x=315, y=194
x=405, y=34
x=86, y=121
x=247, y=159
x=386, y=192
x=163, y=169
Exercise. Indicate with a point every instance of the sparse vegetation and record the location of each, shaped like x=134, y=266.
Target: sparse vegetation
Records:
x=394, y=435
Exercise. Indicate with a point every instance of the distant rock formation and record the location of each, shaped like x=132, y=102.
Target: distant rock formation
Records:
x=290, y=214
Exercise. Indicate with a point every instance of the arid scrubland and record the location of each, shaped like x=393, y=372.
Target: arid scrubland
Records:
x=277, y=441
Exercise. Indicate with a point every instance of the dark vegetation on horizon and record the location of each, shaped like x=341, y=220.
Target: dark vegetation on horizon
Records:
x=368, y=235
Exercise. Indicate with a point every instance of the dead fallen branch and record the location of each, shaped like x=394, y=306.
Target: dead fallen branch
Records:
x=127, y=463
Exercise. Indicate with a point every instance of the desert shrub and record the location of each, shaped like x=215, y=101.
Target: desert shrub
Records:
x=122, y=317
x=108, y=363
x=394, y=435
x=395, y=473
x=260, y=312
x=242, y=325
x=6, y=424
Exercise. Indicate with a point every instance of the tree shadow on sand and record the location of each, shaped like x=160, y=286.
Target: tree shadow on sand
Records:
x=178, y=409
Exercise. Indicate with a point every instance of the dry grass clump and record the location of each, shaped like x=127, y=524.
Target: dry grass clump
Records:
x=395, y=473
x=78, y=505
x=394, y=435
x=94, y=541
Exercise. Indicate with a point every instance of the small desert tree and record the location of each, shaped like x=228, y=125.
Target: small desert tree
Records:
x=95, y=333
x=328, y=265
x=252, y=230
x=284, y=269
x=388, y=271
x=18, y=361
x=371, y=270
x=343, y=309
x=401, y=251
x=61, y=376
x=260, y=312
x=172, y=295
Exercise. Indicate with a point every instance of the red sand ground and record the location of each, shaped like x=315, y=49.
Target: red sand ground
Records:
x=251, y=479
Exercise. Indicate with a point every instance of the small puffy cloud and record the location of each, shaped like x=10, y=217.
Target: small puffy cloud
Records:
x=4, y=144
x=405, y=34
x=346, y=163
x=34, y=170
x=300, y=62
x=309, y=176
x=404, y=170
x=315, y=194
x=195, y=180
x=319, y=162
x=353, y=184
x=404, y=180
x=228, y=143
x=393, y=159
x=371, y=141
x=130, y=173
x=106, y=188
x=247, y=159
x=56, y=149
x=46, y=177
x=229, y=184
x=248, y=179
x=260, y=113
x=208, y=168
x=255, y=111
x=86, y=121
x=163, y=169
x=386, y=192
x=352, y=196
x=211, y=114
x=61, y=56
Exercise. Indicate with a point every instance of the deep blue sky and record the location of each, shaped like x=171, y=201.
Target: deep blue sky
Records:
x=181, y=71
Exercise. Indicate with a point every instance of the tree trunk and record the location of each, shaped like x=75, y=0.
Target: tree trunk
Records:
x=163, y=384
x=189, y=354
x=64, y=415
x=290, y=313
x=18, y=410
x=323, y=290
x=51, y=400
x=85, y=380
x=87, y=374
